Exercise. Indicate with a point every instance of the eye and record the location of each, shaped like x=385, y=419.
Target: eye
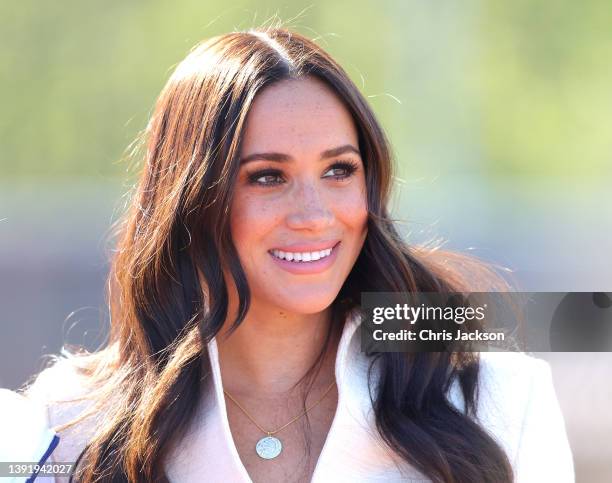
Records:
x=271, y=177
x=346, y=169
x=340, y=170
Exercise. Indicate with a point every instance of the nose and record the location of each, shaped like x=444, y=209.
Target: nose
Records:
x=310, y=208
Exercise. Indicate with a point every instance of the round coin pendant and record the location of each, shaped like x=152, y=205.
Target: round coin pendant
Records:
x=268, y=447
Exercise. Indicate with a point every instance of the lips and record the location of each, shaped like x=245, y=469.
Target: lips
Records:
x=302, y=256
x=304, y=252
x=306, y=266
x=308, y=247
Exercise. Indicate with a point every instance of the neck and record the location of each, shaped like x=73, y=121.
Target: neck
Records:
x=271, y=351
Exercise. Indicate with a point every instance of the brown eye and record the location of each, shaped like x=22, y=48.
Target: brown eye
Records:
x=342, y=170
x=270, y=177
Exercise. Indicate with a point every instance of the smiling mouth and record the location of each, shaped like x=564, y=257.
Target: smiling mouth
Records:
x=303, y=257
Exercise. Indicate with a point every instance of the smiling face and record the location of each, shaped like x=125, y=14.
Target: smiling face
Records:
x=299, y=213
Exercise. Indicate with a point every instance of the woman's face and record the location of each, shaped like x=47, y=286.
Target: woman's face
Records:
x=299, y=212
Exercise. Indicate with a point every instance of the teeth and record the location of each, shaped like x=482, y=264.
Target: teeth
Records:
x=303, y=256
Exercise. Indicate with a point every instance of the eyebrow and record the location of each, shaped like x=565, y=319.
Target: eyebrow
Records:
x=283, y=158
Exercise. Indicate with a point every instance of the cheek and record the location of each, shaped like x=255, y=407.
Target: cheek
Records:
x=250, y=220
x=240, y=219
x=352, y=208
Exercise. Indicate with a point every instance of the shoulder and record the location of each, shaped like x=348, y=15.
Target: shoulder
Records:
x=64, y=394
x=59, y=382
x=508, y=384
x=518, y=406
x=26, y=435
x=505, y=382
x=512, y=374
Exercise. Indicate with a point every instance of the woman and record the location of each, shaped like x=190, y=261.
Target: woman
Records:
x=260, y=217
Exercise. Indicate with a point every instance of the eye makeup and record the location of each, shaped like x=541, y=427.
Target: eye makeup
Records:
x=253, y=177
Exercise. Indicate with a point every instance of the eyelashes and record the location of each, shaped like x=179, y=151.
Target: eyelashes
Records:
x=348, y=167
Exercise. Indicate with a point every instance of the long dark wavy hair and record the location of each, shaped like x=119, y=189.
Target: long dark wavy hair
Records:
x=168, y=297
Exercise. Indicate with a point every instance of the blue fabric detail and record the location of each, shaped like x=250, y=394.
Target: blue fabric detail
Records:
x=54, y=442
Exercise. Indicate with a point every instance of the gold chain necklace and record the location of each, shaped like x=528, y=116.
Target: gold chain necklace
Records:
x=270, y=447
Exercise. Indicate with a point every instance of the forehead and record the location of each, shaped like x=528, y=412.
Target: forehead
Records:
x=297, y=116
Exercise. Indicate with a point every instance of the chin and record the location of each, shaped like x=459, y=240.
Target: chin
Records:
x=306, y=305
x=314, y=307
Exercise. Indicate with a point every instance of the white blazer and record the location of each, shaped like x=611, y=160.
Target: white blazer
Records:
x=517, y=405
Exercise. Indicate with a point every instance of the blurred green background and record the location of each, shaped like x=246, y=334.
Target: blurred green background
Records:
x=499, y=114
x=517, y=88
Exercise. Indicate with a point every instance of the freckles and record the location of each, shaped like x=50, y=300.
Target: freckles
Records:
x=352, y=209
x=238, y=220
x=355, y=200
x=253, y=217
x=246, y=209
